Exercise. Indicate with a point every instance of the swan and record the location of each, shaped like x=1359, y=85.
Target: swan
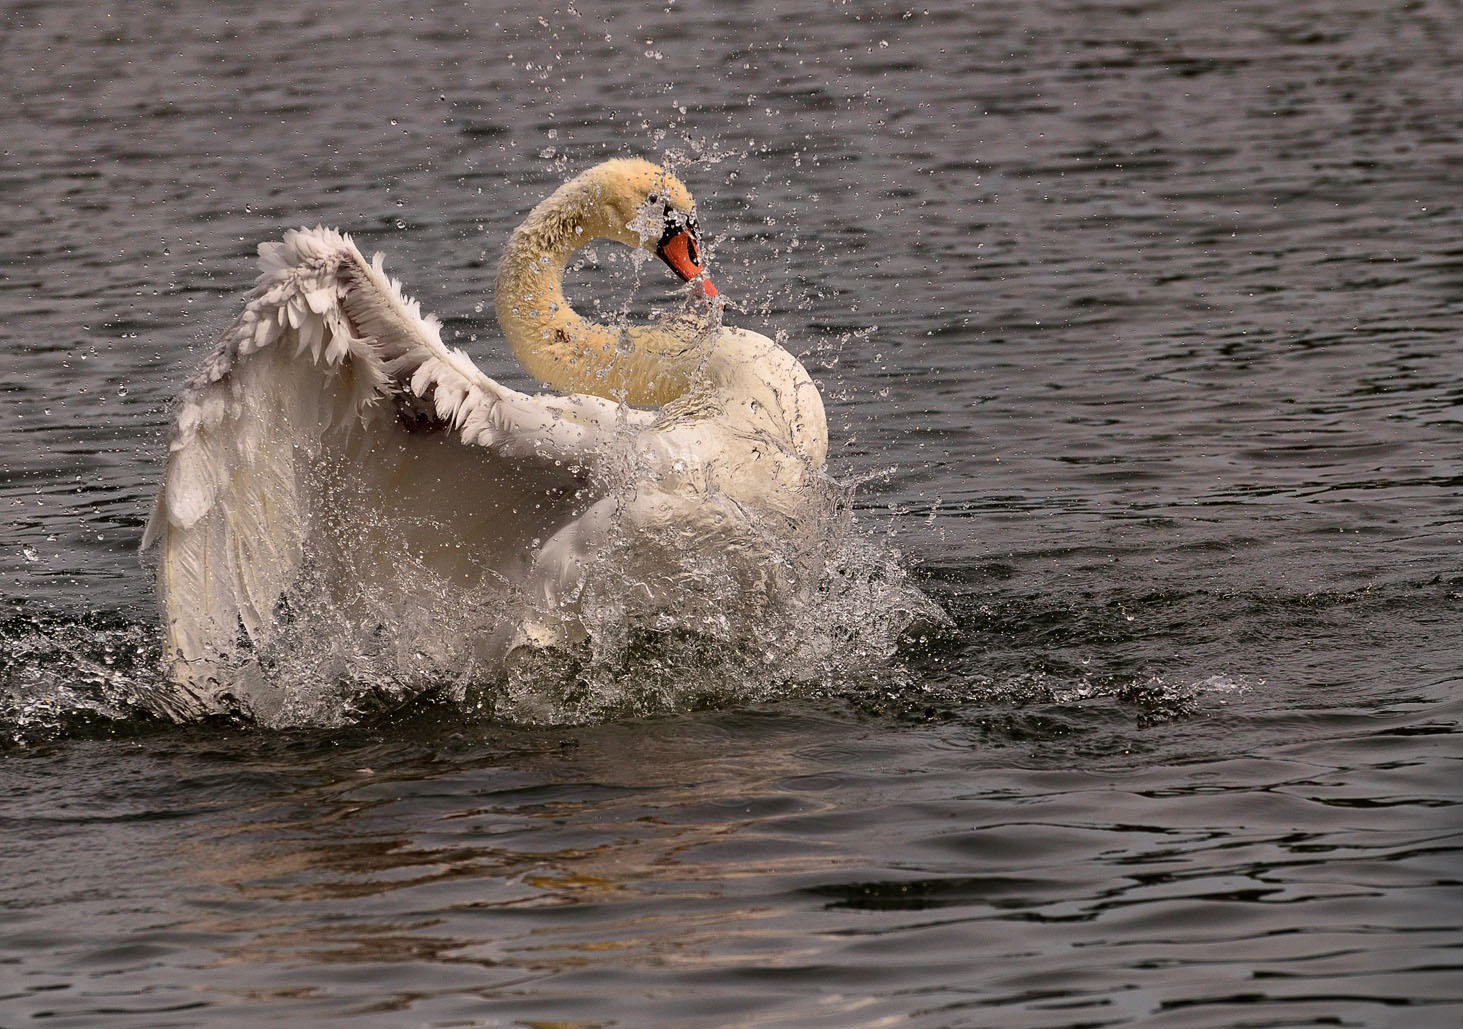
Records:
x=331, y=439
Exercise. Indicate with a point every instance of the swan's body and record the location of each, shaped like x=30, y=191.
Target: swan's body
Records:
x=332, y=436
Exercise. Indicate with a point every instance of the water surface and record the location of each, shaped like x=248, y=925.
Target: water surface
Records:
x=1138, y=325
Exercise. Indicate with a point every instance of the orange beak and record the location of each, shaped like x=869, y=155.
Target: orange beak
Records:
x=680, y=252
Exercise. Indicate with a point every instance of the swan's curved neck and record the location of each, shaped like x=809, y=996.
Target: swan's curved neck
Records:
x=642, y=365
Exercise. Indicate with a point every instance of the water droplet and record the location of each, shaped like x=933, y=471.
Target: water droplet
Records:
x=29, y=553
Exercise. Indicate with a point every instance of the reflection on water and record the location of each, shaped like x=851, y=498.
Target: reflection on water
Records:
x=642, y=871
x=801, y=867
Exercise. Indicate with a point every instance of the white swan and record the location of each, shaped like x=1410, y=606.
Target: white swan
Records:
x=332, y=436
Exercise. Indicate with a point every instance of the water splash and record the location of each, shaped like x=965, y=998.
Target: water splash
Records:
x=667, y=620
x=67, y=676
x=864, y=638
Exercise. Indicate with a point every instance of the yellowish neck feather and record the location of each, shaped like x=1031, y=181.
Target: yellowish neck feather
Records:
x=645, y=366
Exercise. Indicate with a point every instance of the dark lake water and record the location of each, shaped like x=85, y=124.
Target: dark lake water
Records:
x=1140, y=326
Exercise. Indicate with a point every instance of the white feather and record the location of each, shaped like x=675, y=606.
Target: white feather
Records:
x=306, y=375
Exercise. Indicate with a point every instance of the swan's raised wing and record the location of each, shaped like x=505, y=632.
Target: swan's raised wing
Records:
x=331, y=411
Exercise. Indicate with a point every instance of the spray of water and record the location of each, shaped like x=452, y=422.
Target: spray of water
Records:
x=669, y=616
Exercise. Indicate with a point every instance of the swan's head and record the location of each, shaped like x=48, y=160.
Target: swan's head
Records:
x=646, y=207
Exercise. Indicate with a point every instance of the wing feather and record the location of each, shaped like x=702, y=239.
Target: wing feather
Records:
x=326, y=362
